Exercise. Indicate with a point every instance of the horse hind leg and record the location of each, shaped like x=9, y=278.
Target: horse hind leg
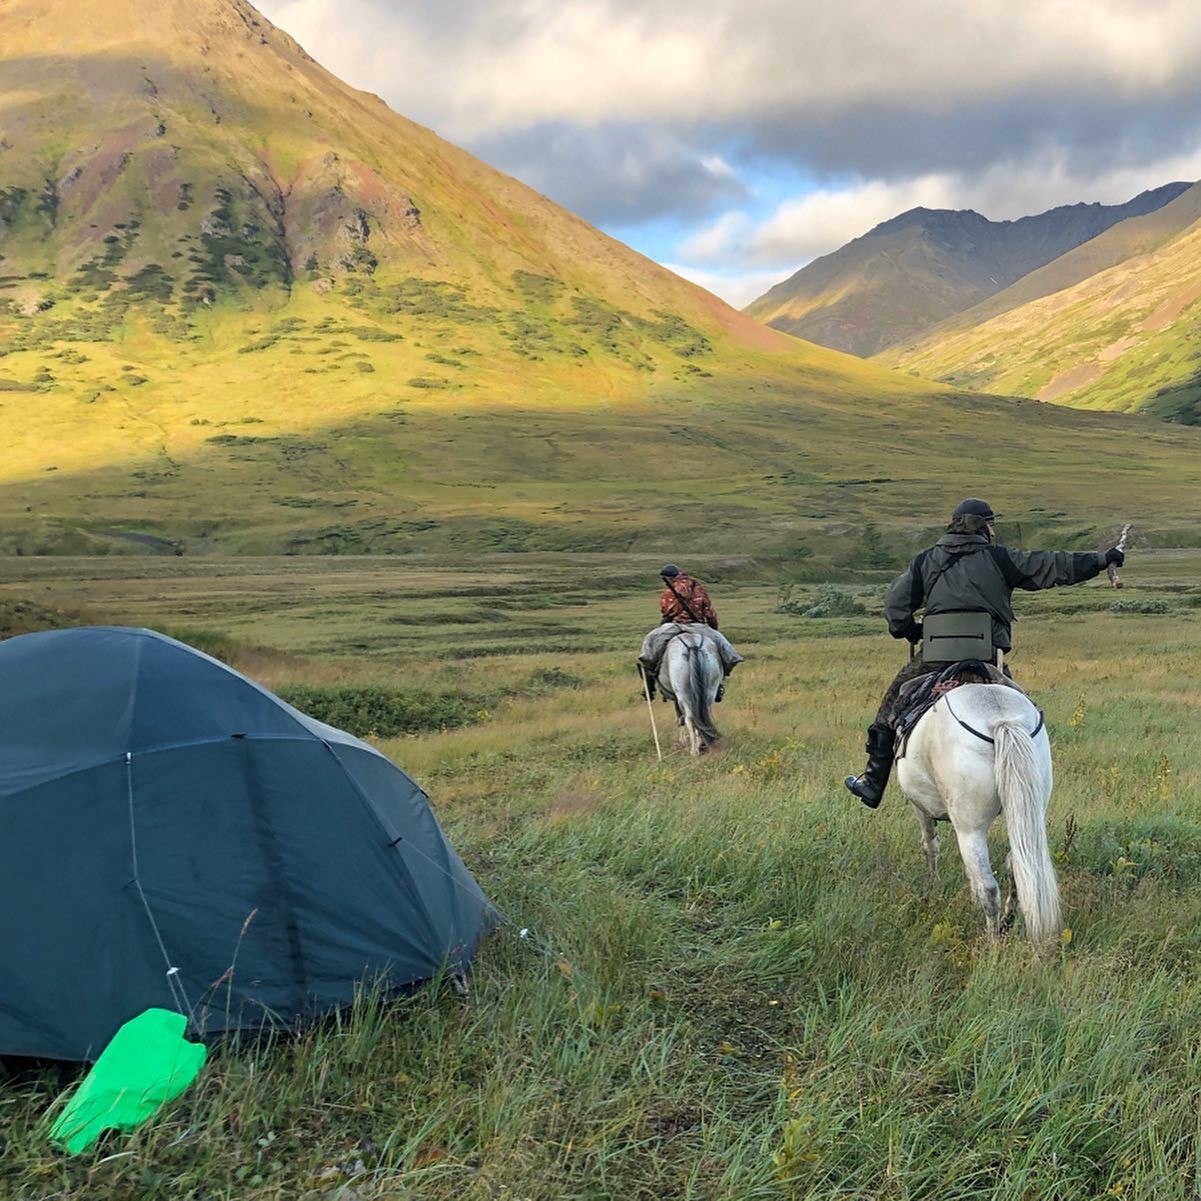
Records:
x=930, y=843
x=973, y=848
x=681, y=726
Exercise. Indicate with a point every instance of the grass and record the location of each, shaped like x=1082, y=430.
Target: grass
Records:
x=717, y=978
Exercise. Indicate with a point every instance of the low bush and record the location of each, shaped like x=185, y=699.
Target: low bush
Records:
x=1148, y=605
x=830, y=602
x=378, y=711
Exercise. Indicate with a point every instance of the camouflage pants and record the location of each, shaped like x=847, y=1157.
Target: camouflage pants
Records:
x=655, y=643
x=890, y=706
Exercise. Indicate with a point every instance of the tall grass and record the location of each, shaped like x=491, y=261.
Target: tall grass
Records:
x=717, y=978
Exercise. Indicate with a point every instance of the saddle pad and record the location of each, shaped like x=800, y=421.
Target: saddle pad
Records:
x=922, y=693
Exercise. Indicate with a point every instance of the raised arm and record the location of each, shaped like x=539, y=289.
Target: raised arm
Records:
x=1034, y=570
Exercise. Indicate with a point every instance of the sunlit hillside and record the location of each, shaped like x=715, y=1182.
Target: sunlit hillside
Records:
x=1112, y=325
x=250, y=309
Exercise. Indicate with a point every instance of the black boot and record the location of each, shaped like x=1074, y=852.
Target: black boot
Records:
x=648, y=675
x=869, y=787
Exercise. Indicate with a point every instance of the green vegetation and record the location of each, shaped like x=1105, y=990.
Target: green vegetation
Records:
x=377, y=711
x=1120, y=338
x=717, y=978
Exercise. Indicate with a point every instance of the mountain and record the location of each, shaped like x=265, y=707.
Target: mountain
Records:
x=189, y=153
x=1114, y=324
x=919, y=268
x=245, y=308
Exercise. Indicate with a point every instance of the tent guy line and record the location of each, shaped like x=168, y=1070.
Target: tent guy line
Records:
x=174, y=983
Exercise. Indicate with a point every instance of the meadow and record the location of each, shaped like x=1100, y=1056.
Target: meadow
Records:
x=716, y=978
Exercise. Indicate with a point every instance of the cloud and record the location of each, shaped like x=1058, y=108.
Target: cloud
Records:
x=787, y=68
x=615, y=175
x=644, y=111
x=799, y=230
x=736, y=288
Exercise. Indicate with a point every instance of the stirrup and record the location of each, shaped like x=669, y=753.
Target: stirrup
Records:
x=861, y=787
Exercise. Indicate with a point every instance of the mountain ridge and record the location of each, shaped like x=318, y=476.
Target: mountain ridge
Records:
x=245, y=308
x=922, y=266
x=1111, y=325
x=1131, y=237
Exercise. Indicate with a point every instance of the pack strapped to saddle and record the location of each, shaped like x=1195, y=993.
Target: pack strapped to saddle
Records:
x=956, y=635
x=922, y=693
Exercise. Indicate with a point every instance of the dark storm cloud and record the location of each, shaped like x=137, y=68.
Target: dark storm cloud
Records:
x=884, y=142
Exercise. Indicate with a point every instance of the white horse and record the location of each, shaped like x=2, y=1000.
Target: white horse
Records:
x=690, y=674
x=981, y=749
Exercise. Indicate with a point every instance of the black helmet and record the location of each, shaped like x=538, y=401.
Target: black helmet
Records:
x=669, y=572
x=975, y=507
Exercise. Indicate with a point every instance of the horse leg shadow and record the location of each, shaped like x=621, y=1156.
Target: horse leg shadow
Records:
x=1009, y=908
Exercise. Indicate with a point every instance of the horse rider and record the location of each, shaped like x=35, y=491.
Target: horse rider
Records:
x=684, y=604
x=965, y=571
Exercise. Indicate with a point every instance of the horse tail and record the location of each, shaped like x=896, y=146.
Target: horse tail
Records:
x=697, y=694
x=1019, y=782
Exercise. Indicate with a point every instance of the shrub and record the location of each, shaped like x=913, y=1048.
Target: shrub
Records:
x=371, y=709
x=830, y=602
x=1140, y=606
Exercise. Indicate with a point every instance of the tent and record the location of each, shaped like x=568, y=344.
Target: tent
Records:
x=172, y=834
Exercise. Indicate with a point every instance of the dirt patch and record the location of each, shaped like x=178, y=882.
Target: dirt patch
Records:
x=1116, y=349
x=1171, y=308
x=1068, y=381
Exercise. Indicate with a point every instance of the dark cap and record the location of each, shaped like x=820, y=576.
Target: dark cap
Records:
x=669, y=572
x=975, y=507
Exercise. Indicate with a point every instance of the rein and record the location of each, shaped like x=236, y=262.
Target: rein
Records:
x=946, y=696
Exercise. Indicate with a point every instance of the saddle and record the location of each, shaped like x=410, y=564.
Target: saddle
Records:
x=922, y=693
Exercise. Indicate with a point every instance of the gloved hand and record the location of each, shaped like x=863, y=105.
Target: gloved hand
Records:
x=912, y=632
x=1115, y=557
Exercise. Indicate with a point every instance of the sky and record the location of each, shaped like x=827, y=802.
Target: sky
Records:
x=734, y=141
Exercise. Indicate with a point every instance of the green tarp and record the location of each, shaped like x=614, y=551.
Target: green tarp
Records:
x=147, y=1064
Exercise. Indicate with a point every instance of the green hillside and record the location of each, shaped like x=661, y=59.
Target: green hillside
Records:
x=1123, y=336
x=252, y=310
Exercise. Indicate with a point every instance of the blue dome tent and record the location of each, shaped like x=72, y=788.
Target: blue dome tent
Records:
x=172, y=834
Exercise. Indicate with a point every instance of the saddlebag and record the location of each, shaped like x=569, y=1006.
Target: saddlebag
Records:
x=960, y=634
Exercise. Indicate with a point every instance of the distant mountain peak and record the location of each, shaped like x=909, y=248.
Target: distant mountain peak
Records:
x=866, y=296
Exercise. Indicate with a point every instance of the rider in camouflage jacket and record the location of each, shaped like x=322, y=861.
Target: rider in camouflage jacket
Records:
x=964, y=570
x=684, y=603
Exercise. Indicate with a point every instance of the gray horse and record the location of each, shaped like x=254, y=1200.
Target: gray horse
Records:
x=689, y=675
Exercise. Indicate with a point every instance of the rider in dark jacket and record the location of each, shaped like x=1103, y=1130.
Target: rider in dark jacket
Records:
x=964, y=570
